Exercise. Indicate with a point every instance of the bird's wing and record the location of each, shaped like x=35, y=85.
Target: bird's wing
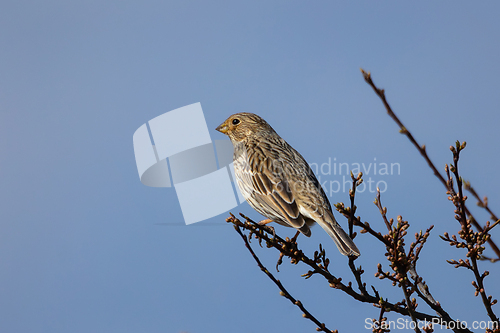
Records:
x=314, y=204
x=270, y=189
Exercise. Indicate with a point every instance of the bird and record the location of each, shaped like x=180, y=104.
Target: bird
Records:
x=278, y=182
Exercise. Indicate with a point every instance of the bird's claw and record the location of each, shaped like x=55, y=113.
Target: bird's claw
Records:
x=265, y=223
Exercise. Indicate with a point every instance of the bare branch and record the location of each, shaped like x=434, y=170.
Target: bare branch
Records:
x=319, y=265
x=422, y=150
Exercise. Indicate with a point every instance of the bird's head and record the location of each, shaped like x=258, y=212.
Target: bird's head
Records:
x=240, y=126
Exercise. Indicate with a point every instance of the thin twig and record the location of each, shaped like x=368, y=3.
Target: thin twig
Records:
x=409, y=305
x=480, y=286
x=356, y=181
x=480, y=202
x=365, y=227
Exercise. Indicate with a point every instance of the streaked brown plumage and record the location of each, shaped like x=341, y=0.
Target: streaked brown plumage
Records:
x=277, y=181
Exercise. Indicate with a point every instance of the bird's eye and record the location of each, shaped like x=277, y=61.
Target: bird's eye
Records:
x=236, y=121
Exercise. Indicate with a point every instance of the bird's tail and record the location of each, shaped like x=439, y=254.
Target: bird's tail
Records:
x=344, y=243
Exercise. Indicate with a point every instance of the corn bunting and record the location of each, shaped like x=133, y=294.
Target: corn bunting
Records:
x=277, y=181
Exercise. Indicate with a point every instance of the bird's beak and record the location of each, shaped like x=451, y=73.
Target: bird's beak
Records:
x=222, y=128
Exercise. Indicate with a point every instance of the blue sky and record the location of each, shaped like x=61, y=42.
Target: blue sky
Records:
x=85, y=247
